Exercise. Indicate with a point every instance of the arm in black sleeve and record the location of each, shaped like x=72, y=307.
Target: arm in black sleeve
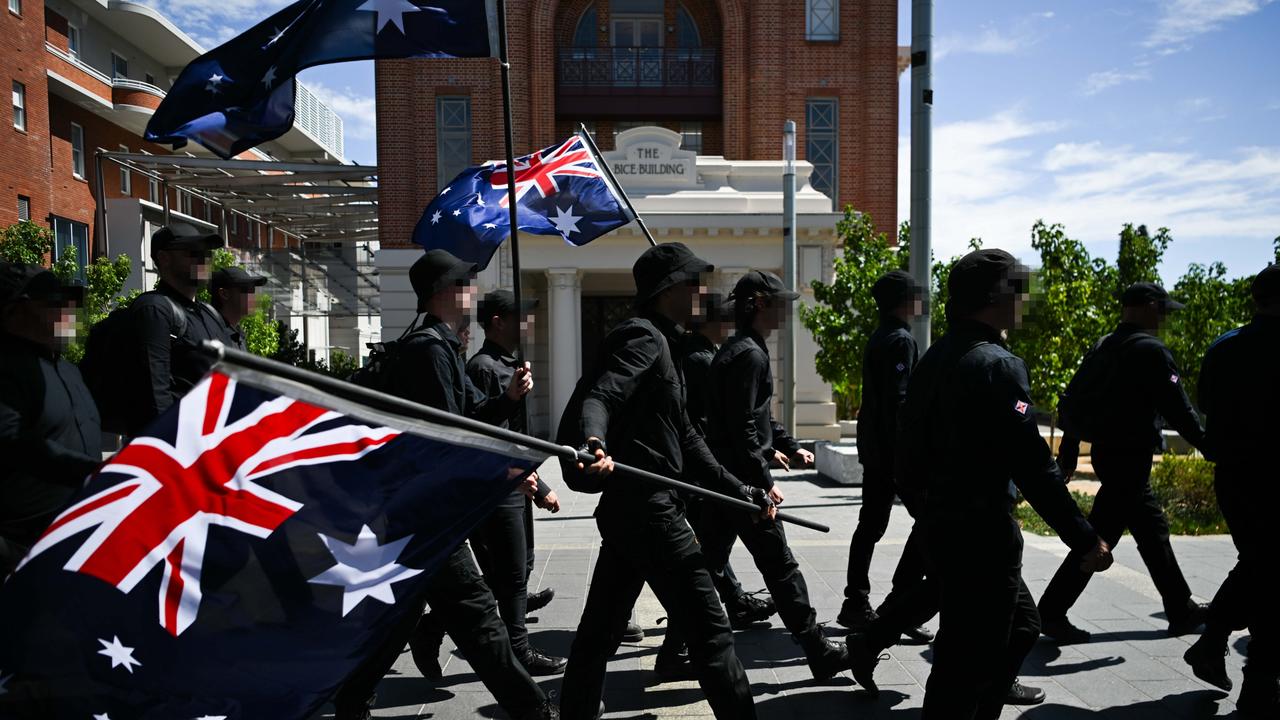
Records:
x=493, y=409
x=154, y=326
x=419, y=372
x=782, y=440
x=622, y=370
x=25, y=452
x=1031, y=464
x=1171, y=401
x=1069, y=454
x=892, y=376
x=701, y=466
x=750, y=452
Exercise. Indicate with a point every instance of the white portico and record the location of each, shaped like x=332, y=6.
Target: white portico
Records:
x=728, y=212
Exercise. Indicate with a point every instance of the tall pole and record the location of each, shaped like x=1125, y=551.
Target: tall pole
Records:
x=789, y=274
x=921, y=157
x=505, y=64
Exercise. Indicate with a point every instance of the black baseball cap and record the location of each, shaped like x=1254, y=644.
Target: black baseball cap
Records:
x=761, y=283
x=503, y=303
x=1142, y=293
x=19, y=281
x=981, y=277
x=235, y=277
x=437, y=270
x=183, y=236
x=718, y=308
x=663, y=266
x=1266, y=286
x=893, y=289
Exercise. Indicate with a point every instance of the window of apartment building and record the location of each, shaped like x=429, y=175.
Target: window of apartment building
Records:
x=453, y=137
x=233, y=224
x=691, y=136
x=822, y=147
x=15, y=7
x=126, y=177
x=73, y=41
x=19, y=105
x=74, y=235
x=822, y=19
x=150, y=79
x=586, y=35
x=24, y=208
x=119, y=66
x=77, y=151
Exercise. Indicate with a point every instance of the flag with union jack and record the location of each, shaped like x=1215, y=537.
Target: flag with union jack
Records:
x=561, y=190
x=241, y=557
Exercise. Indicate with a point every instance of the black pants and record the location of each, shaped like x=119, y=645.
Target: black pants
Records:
x=989, y=619
x=913, y=599
x=767, y=543
x=873, y=519
x=724, y=578
x=666, y=556
x=1125, y=500
x=528, y=539
x=501, y=547
x=462, y=603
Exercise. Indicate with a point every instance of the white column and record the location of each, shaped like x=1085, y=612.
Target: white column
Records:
x=564, y=332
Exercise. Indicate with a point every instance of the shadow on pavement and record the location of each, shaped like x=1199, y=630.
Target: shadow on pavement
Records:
x=1195, y=703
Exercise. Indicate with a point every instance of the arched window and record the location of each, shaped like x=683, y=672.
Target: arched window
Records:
x=686, y=30
x=586, y=35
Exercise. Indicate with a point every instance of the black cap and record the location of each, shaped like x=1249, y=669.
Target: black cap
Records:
x=19, y=281
x=662, y=266
x=235, y=277
x=761, y=283
x=1266, y=286
x=1148, y=292
x=502, y=303
x=437, y=270
x=981, y=277
x=717, y=308
x=182, y=235
x=893, y=289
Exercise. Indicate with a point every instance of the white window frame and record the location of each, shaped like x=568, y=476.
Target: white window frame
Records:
x=15, y=7
x=822, y=20
x=19, y=106
x=73, y=48
x=126, y=177
x=77, y=153
x=24, y=208
x=117, y=56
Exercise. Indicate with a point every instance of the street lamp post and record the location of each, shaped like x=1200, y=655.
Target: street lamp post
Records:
x=789, y=274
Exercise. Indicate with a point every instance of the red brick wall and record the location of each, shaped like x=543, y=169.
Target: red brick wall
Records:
x=24, y=169
x=770, y=69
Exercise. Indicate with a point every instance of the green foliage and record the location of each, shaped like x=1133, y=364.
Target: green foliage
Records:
x=1139, y=257
x=25, y=242
x=289, y=350
x=341, y=365
x=846, y=314
x=292, y=352
x=1184, y=486
x=222, y=258
x=261, y=335
x=1031, y=521
x=1215, y=304
x=106, y=279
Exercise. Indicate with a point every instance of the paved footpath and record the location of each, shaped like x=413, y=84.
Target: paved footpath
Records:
x=1131, y=670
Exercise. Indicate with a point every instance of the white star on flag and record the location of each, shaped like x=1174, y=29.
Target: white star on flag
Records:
x=456, y=213
x=389, y=11
x=119, y=654
x=565, y=221
x=103, y=716
x=212, y=717
x=442, y=192
x=480, y=200
x=4, y=681
x=277, y=33
x=490, y=226
x=215, y=83
x=435, y=218
x=365, y=569
x=270, y=78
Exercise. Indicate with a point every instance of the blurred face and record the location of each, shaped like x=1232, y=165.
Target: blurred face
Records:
x=65, y=322
x=185, y=266
x=770, y=314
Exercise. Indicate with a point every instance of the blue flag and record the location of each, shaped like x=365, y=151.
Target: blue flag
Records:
x=562, y=190
x=241, y=93
x=241, y=557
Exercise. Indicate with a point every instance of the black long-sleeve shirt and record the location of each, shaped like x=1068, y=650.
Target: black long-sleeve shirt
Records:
x=50, y=436
x=696, y=354
x=887, y=363
x=634, y=402
x=491, y=370
x=741, y=430
x=1240, y=393
x=170, y=345
x=968, y=440
x=427, y=368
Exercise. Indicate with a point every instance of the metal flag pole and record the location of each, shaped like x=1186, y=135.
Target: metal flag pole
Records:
x=613, y=181
x=399, y=406
x=505, y=64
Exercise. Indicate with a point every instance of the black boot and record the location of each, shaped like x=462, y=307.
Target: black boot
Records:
x=546, y=711
x=673, y=666
x=1061, y=630
x=425, y=647
x=917, y=636
x=1259, y=695
x=1207, y=660
x=539, y=664
x=856, y=616
x=1190, y=621
x=827, y=658
x=1020, y=694
x=863, y=658
x=354, y=710
x=537, y=601
x=633, y=634
x=748, y=609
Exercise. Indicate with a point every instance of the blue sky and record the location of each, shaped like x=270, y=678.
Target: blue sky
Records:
x=1087, y=113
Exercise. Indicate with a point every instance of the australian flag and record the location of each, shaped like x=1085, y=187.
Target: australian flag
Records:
x=241, y=93
x=562, y=190
x=242, y=557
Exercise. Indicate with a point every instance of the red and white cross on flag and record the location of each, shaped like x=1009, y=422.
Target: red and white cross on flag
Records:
x=540, y=170
x=171, y=494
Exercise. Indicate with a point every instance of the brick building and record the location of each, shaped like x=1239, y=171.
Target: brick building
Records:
x=706, y=85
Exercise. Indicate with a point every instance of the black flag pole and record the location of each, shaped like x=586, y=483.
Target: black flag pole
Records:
x=505, y=63
x=613, y=181
x=381, y=401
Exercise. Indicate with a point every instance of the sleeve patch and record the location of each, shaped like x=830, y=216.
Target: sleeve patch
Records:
x=1021, y=407
x=1174, y=378
x=901, y=366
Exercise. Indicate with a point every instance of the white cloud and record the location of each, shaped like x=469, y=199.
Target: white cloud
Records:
x=993, y=179
x=359, y=114
x=991, y=40
x=1183, y=20
x=213, y=23
x=1099, y=81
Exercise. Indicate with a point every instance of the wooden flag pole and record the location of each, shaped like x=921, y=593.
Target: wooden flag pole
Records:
x=613, y=181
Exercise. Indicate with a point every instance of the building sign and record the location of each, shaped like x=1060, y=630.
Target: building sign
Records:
x=650, y=158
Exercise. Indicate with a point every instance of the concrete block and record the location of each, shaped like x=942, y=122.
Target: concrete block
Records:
x=848, y=428
x=839, y=462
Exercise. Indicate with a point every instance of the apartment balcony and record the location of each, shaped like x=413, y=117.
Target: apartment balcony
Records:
x=629, y=82
x=135, y=94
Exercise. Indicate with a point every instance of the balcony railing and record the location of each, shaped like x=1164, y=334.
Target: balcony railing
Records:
x=138, y=85
x=655, y=82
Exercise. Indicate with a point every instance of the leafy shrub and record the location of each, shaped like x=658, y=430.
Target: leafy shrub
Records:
x=1031, y=521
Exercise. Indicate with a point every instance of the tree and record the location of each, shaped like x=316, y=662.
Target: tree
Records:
x=1140, y=255
x=261, y=335
x=1215, y=304
x=25, y=242
x=846, y=313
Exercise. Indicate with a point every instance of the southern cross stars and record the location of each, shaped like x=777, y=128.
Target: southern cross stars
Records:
x=435, y=218
x=119, y=654
x=365, y=569
x=389, y=11
x=565, y=221
x=214, y=84
x=270, y=78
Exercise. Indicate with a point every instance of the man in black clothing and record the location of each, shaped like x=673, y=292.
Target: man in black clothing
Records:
x=1142, y=389
x=234, y=295
x=967, y=441
x=887, y=362
x=50, y=438
x=427, y=368
x=631, y=406
x=503, y=543
x=1239, y=394
x=170, y=323
x=744, y=437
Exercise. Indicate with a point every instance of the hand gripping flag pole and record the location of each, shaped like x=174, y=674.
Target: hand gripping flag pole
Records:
x=613, y=181
x=390, y=403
